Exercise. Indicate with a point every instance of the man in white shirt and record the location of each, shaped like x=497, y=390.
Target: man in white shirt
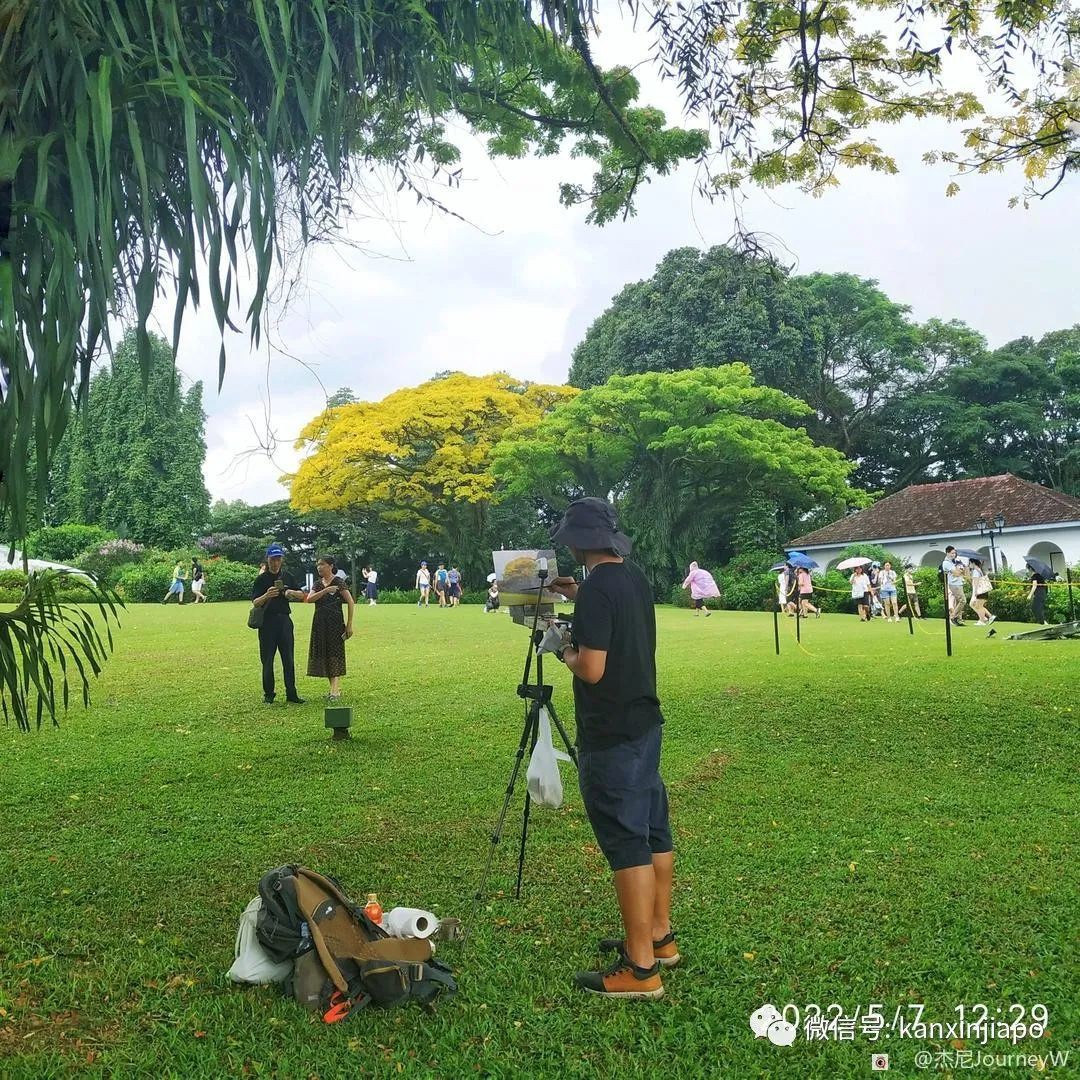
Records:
x=372, y=578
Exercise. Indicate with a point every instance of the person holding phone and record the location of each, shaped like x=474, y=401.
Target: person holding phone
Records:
x=272, y=591
x=329, y=628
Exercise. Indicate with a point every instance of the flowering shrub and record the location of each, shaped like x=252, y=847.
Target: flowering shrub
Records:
x=106, y=560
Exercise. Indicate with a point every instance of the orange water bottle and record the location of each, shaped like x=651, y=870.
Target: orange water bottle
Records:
x=372, y=909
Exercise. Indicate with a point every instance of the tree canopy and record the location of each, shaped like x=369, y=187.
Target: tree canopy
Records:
x=681, y=453
x=904, y=401
x=799, y=90
x=133, y=460
x=421, y=457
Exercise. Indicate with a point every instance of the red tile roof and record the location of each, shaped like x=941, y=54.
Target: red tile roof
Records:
x=950, y=507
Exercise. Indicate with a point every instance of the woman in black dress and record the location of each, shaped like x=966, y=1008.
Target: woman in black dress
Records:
x=329, y=629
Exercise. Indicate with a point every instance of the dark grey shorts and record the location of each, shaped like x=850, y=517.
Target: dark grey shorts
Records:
x=626, y=800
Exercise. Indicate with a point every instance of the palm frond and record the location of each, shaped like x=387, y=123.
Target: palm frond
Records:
x=53, y=641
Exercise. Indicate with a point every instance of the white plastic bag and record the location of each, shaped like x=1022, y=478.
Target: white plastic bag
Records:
x=252, y=965
x=543, y=779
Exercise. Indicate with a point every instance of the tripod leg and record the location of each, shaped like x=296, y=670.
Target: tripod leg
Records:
x=528, y=734
x=534, y=724
x=571, y=749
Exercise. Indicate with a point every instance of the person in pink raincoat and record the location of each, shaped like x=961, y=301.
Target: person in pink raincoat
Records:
x=702, y=587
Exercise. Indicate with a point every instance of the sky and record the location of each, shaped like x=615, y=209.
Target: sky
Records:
x=515, y=285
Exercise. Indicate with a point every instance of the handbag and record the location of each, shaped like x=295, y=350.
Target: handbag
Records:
x=256, y=616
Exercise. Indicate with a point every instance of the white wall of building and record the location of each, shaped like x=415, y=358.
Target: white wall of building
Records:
x=1057, y=545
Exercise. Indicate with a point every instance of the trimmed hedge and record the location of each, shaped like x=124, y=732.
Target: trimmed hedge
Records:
x=61, y=543
x=410, y=596
x=147, y=582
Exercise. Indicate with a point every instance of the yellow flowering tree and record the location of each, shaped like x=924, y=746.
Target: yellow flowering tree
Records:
x=421, y=457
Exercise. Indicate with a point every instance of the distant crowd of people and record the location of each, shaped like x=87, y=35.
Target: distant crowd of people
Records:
x=447, y=584
x=875, y=590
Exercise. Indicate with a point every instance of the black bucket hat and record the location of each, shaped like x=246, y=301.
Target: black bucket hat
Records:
x=591, y=525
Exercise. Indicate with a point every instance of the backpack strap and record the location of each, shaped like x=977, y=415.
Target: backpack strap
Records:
x=431, y=980
x=338, y=934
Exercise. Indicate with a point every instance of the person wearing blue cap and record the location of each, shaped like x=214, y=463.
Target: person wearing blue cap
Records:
x=423, y=583
x=272, y=591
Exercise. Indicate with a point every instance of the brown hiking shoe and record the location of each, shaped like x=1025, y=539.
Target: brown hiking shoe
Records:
x=622, y=980
x=665, y=951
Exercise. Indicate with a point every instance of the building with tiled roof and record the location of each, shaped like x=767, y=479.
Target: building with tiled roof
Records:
x=918, y=522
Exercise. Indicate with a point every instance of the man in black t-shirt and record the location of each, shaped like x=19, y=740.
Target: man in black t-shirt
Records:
x=613, y=657
x=272, y=591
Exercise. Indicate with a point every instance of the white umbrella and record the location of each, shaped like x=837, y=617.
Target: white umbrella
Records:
x=492, y=577
x=850, y=564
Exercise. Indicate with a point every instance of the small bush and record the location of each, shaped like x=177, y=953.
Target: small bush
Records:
x=61, y=543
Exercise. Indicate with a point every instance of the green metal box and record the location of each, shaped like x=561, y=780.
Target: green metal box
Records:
x=338, y=717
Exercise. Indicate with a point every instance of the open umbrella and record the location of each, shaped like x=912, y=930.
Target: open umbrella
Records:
x=492, y=577
x=1037, y=566
x=850, y=564
x=797, y=558
x=969, y=553
x=778, y=566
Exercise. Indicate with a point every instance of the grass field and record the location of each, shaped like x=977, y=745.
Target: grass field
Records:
x=861, y=820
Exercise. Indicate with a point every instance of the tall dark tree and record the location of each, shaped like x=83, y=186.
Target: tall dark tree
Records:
x=133, y=460
x=699, y=309
x=1016, y=410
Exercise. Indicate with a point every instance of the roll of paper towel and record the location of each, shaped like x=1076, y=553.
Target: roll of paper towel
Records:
x=409, y=922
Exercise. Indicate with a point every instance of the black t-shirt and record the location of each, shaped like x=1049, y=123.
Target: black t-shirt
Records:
x=614, y=612
x=1040, y=582
x=279, y=605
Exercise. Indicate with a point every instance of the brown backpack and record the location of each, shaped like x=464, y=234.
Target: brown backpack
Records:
x=343, y=960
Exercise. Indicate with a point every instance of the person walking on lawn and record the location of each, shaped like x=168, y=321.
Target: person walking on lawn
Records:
x=955, y=576
x=702, y=586
x=177, y=587
x=612, y=654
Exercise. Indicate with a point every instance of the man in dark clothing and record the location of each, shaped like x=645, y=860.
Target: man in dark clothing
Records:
x=272, y=591
x=612, y=654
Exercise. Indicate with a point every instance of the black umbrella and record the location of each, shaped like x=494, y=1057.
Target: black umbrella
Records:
x=968, y=553
x=1037, y=566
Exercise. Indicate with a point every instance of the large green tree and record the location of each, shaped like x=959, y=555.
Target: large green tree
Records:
x=1016, y=410
x=681, y=453
x=835, y=341
x=133, y=460
x=699, y=309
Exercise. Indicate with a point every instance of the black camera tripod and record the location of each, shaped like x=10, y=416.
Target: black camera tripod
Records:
x=537, y=696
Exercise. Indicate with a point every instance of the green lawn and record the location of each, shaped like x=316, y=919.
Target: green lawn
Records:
x=862, y=820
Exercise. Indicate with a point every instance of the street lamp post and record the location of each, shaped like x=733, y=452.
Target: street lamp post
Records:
x=990, y=530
